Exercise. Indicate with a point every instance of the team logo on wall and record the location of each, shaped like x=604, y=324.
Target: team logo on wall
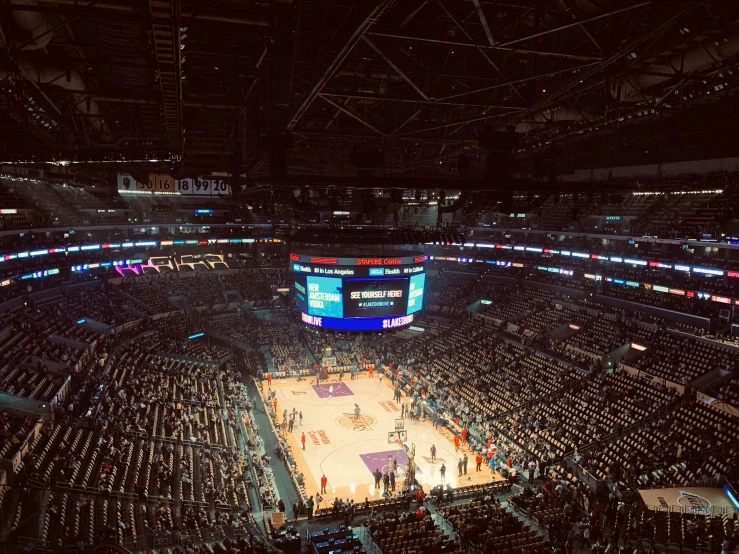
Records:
x=695, y=503
x=363, y=422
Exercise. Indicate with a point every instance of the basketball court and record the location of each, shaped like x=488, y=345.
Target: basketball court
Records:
x=349, y=448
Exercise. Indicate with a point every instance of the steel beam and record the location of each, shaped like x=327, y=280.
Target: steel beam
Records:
x=406, y=122
x=395, y=67
x=484, y=22
x=413, y=14
x=431, y=102
x=316, y=134
x=561, y=91
x=578, y=23
x=165, y=17
x=496, y=48
x=333, y=67
x=453, y=123
x=352, y=115
x=482, y=52
x=518, y=81
x=132, y=9
x=585, y=31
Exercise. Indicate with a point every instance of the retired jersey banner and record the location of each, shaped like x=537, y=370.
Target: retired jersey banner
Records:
x=167, y=185
x=696, y=500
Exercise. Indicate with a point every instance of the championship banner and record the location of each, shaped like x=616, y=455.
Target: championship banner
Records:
x=167, y=185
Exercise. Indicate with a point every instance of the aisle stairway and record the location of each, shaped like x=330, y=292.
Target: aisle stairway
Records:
x=271, y=367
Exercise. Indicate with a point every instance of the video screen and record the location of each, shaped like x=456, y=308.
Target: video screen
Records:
x=375, y=297
x=301, y=293
x=325, y=297
x=415, y=293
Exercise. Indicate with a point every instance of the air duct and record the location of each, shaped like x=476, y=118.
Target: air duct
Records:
x=556, y=115
x=696, y=59
x=71, y=81
x=34, y=23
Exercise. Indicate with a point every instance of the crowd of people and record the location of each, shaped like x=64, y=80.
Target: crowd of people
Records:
x=161, y=451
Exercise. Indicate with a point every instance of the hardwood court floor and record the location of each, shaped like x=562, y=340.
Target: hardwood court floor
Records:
x=347, y=449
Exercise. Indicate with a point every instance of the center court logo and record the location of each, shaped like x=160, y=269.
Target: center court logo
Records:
x=695, y=503
x=362, y=423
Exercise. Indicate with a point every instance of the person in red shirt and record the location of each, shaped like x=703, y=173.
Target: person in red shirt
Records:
x=456, y=443
x=371, y=370
x=464, y=435
x=509, y=462
x=302, y=440
x=274, y=404
x=269, y=380
x=324, y=482
x=478, y=461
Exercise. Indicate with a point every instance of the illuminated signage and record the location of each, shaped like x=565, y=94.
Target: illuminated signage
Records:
x=195, y=336
x=638, y=347
x=616, y=259
x=8, y=211
x=358, y=324
x=708, y=271
x=679, y=292
x=733, y=274
x=324, y=260
x=660, y=288
x=574, y=327
x=635, y=262
x=682, y=267
x=721, y=299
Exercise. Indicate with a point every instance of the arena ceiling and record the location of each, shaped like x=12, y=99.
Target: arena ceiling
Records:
x=424, y=88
